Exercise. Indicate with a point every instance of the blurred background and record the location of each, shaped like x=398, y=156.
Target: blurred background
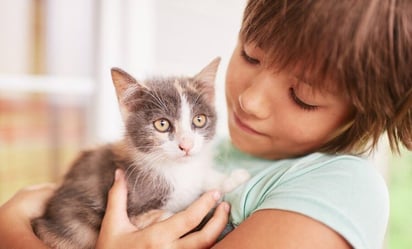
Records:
x=56, y=94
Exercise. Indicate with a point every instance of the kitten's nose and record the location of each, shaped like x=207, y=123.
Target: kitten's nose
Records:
x=185, y=146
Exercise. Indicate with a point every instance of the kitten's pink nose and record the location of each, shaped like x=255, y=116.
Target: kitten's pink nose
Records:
x=186, y=146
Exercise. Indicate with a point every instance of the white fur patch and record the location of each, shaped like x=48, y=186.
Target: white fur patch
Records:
x=187, y=180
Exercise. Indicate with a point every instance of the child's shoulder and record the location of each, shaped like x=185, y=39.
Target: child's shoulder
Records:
x=335, y=166
x=345, y=192
x=337, y=179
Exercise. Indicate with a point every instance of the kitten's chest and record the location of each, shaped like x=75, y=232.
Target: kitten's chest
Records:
x=187, y=182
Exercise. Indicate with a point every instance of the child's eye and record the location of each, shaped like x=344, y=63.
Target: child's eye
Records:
x=299, y=102
x=249, y=59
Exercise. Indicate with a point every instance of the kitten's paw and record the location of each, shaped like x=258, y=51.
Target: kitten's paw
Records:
x=146, y=219
x=240, y=175
x=236, y=178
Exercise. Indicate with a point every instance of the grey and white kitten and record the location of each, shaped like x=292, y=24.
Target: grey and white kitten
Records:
x=169, y=125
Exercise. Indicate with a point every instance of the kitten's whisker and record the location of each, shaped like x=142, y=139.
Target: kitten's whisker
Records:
x=129, y=171
x=130, y=101
x=158, y=100
x=155, y=102
x=196, y=100
x=162, y=103
x=154, y=159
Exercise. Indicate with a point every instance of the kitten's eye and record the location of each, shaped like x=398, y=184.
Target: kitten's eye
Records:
x=199, y=121
x=162, y=125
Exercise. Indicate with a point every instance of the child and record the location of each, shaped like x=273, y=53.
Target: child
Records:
x=310, y=87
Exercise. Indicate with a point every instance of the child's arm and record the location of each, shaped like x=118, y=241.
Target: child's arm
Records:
x=15, y=216
x=273, y=228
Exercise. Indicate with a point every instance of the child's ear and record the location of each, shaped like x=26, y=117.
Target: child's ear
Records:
x=127, y=90
x=205, y=79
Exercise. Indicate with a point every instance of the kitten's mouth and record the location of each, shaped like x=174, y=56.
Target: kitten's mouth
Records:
x=186, y=154
x=184, y=158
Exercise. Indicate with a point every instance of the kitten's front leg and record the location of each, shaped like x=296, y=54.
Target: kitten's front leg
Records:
x=236, y=178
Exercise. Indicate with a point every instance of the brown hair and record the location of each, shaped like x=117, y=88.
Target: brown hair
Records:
x=363, y=46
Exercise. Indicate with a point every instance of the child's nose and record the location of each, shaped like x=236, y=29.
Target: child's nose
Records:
x=253, y=101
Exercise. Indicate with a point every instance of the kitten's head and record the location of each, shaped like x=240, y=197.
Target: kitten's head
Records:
x=168, y=118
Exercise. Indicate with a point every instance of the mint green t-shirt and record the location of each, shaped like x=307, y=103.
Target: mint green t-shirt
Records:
x=344, y=192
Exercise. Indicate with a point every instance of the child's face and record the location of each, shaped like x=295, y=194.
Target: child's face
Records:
x=273, y=116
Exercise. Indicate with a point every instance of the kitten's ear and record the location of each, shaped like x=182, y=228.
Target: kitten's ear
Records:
x=208, y=73
x=121, y=81
x=125, y=84
x=127, y=88
x=207, y=77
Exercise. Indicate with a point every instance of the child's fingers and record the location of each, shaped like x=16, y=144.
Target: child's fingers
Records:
x=17, y=213
x=42, y=193
x=208, y=235
x=116, y=210
x=182, y=222
x=115, y=222
x=31, y=201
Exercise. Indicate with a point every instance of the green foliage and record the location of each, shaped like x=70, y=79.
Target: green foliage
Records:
x=400, y=188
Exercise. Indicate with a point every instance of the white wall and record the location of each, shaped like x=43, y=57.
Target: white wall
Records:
x=70, y=37
x=15, y=28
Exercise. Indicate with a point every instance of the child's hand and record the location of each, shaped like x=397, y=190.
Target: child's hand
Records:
x=118, y=232
x=30, y=202
x=17, y=213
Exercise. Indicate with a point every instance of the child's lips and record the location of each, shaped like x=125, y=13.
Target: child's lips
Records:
x=242, y=125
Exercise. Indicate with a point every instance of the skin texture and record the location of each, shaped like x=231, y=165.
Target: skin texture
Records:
x=282, y=229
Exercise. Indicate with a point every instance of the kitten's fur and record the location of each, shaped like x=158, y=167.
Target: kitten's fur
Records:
x=164, y=170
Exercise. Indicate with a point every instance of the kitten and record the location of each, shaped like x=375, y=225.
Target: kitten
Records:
x=165, y=153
